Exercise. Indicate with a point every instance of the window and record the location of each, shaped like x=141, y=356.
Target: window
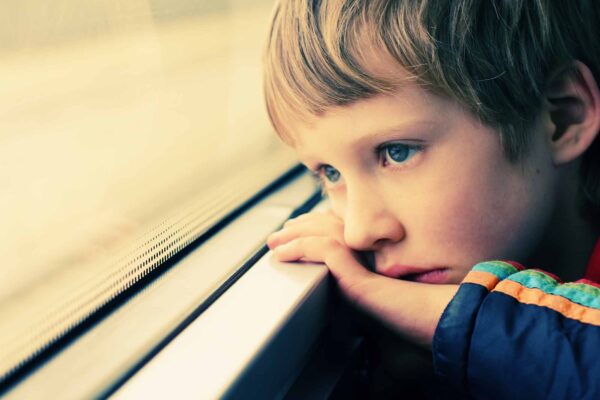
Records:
x=128, y=128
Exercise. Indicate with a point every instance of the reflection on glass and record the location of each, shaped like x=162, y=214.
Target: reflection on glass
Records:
x=113, y=112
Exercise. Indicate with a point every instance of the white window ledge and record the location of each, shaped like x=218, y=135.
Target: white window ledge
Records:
x=250, y=343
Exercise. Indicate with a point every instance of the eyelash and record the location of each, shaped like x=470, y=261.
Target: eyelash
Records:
x=319, y=175
x=381, y=154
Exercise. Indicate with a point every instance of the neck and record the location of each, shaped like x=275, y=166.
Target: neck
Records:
x=567, y=245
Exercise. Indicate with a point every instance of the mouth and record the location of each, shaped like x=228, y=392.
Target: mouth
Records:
x=435, y=276
x=413, y=274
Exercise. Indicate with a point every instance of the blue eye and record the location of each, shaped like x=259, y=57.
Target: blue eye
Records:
x=330, y=173
x=398, y=153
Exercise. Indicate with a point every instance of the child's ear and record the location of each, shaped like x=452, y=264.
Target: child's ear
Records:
x=574, y=107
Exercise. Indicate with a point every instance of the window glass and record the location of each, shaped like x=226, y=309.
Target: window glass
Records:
x=118, y=120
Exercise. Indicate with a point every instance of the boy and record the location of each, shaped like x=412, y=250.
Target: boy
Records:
x=447, y=134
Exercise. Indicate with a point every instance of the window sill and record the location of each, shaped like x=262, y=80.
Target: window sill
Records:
x=233, y=330
x=280, y=311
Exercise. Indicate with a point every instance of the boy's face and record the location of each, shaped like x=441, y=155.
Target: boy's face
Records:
x=422, y=184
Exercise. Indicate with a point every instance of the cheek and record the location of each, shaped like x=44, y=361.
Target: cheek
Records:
x=474, y=228
x=473, y=220
x=337, y=203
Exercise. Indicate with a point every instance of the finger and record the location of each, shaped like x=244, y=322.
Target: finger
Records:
x=297, y=219
x=311, y=224
x=309, y=248
x=330, y=212
x=339, y=259
x=306, y=228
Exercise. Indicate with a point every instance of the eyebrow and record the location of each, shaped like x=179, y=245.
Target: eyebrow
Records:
x=404, y=131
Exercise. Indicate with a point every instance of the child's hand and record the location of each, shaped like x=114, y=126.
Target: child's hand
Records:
x=412, y=309
x=319, y=237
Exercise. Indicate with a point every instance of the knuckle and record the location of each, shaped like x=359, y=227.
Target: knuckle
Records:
x=331, y=242
x=303, y=242
x=334, y=250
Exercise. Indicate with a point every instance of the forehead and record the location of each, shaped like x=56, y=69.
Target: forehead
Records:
x=409, y=110
x=293, y=111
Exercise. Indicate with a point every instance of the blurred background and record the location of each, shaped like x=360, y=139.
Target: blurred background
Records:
x=112, y=114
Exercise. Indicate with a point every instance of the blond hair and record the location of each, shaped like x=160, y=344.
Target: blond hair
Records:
x=493, y=57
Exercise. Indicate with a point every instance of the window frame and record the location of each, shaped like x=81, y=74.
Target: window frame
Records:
x=86, y=367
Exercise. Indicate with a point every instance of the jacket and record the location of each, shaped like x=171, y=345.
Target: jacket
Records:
x=515, y=333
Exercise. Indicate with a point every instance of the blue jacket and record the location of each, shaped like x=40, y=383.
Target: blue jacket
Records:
x=515, y=334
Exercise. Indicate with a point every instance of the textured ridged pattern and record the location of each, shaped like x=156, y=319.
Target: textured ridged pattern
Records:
x=575, y=300
x=35, y=319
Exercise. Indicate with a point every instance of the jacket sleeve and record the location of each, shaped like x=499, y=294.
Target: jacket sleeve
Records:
x=514, y=334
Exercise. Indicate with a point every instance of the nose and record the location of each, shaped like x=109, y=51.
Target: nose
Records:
x=368, y=223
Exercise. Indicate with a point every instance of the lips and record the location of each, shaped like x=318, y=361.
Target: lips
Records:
x=416, y=274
